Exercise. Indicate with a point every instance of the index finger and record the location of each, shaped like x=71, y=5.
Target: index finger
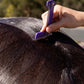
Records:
x=44, y=19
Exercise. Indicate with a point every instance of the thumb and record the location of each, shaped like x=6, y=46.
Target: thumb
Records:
x=54, y=27
x=43, y=28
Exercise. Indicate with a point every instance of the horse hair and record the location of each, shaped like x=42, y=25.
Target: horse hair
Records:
x=56, y=59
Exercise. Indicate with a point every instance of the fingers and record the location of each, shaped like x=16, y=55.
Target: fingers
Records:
x=43, y=28
x=54, y=27
x=44, y=18
x=57, y=11
x=56, y=14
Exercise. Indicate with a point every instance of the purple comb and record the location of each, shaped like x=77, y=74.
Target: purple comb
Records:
x=50, y=4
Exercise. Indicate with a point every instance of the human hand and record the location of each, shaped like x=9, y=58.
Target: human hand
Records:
x=62, y=17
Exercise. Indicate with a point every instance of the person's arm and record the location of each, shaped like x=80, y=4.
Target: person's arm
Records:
x=63, y=17
x=81, y=18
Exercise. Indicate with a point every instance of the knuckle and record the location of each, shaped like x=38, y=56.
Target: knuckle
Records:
x=58, y=7
x=44, y=14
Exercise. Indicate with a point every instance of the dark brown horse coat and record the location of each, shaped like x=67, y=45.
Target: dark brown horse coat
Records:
x=56, y=59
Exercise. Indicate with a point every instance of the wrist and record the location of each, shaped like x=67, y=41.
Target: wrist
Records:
x=80, y=18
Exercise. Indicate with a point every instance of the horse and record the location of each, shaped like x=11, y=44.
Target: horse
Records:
x=56, y=59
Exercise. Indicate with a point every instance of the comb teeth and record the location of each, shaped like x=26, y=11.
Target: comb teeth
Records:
x=41, y=34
